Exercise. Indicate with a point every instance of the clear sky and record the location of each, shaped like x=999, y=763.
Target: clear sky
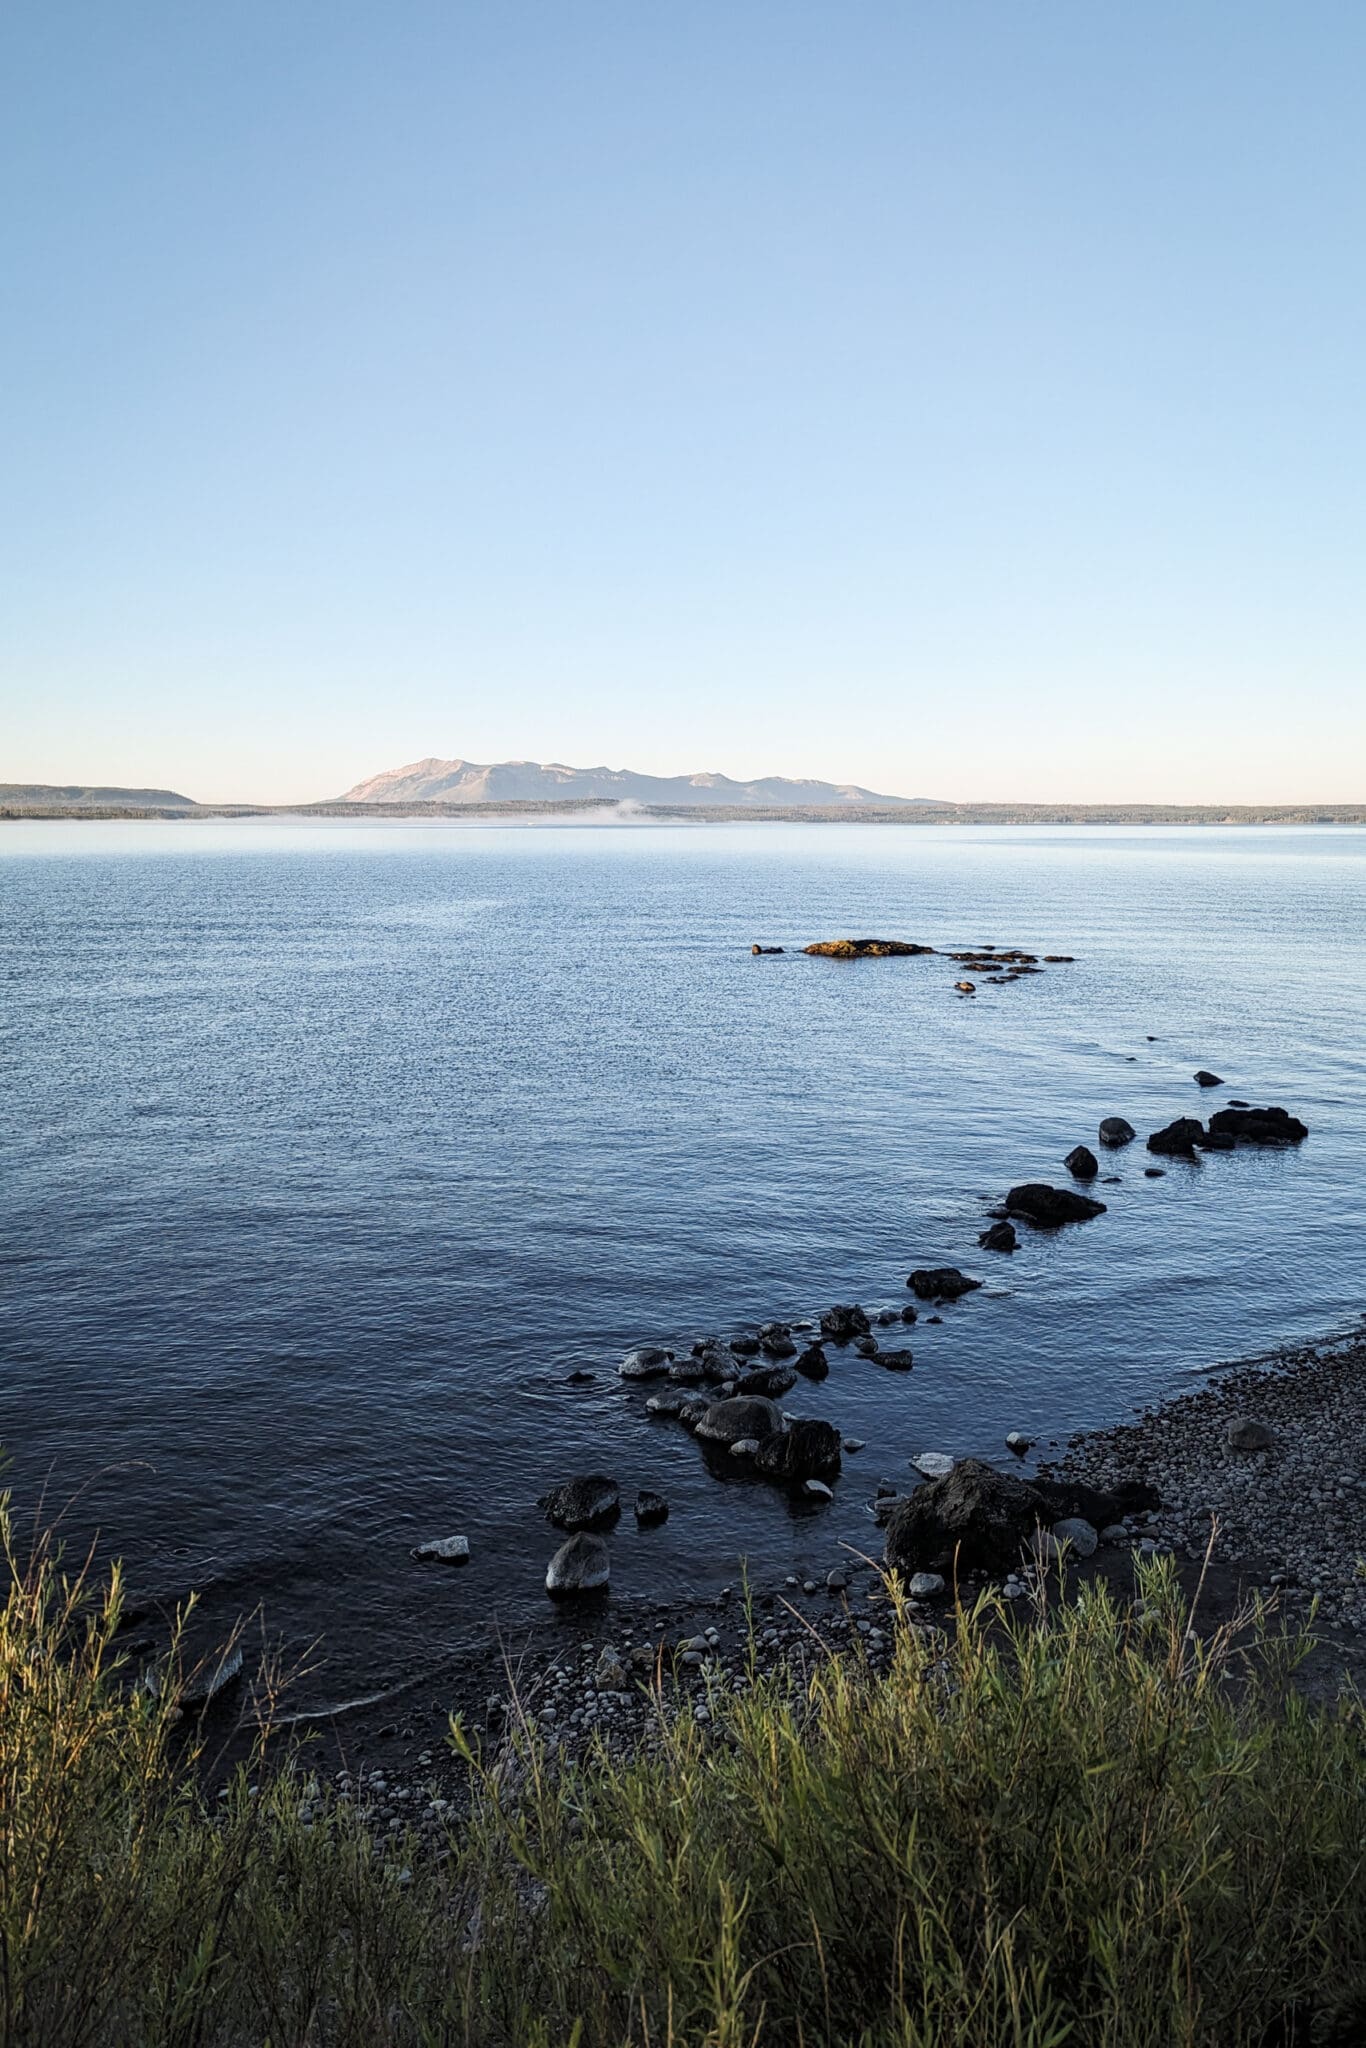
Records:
x=964, y=399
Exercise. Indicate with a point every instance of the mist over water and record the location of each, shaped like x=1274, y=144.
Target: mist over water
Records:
x=330, y=1151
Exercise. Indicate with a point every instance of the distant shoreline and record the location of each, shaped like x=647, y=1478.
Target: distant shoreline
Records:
x=601, y=808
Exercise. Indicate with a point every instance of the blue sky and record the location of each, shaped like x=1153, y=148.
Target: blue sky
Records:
x=965, y=400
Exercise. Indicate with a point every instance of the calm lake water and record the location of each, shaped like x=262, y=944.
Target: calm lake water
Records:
x=331, y=1151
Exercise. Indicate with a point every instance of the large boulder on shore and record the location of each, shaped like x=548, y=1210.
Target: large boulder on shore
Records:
x=976, y=1518
x=985, y=1518
x=940, y=1283
x=582, y=1565
x=1258, y=1126
x=863, y=949
x=806, y=1449
x=1178, y=1140
x=743, y=1415
x=582, y=1503
x=1048, y=1208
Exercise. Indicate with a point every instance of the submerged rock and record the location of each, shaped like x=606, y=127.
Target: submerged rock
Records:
x=940, y=1283
x=897, y=1360
x=582, y=1565
x=864, y=949
x=1000, y=1237
x=444, y=1550
x=651, y=1509
x=841, y=1325
x=1209, y=1080
x=580, y=1503
x=1049, y=1208
x=866, y=1347
x=1116, y=1130
x=672, y=1401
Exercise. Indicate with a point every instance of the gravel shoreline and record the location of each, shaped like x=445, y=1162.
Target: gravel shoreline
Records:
x=1296, y=1508
x=1292, y=1517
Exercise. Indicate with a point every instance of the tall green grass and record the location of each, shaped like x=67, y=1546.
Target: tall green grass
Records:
x=1075, y=1828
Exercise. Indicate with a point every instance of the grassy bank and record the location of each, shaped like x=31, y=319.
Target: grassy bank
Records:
x=1081, y=1829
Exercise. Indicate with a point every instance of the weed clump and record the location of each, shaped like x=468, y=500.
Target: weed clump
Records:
x=1078, y=1827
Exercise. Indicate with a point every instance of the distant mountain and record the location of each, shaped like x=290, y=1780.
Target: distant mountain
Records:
x=473, y=782
x=46, y=795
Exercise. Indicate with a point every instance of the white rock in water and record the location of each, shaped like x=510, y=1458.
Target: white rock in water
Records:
x=816, y=1489
x=1078, y=1533
x=924, y=1585
x=745, y=1448
x=444, y=1550
x=645, y=1364
x=579, y=1566
x=934, y=1464
x=1018, y=1442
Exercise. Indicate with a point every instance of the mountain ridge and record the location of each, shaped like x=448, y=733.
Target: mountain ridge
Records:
x=476, y=782
x=76, y=795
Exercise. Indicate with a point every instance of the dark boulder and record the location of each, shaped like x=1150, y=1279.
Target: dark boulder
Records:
x=813, y=1363
x=910, y=1313
x=1177, y=1140
x=651, y=1509
x=940, y=1283
x=1209, y=1080
x=1099, y=1506
x=744, y=1344
x=1258, y=1126
x=765, y=949
x=842, y=1324
x=866, y=1347
x=779, y=1345
x=1082, y=1162
x=1116, y=1130
x=772, y=1381
x=977, y=1519
x=1048, y=1208
x=896, y=1361
x=1000, y=1237
x=743, y=1415
x=583, y=1503
x=804, y=1450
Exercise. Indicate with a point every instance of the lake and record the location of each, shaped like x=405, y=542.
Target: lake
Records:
x=331, y=1151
